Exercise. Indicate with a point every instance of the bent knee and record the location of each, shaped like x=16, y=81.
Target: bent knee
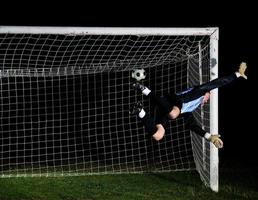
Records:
x=159, y=134
x=174, y=113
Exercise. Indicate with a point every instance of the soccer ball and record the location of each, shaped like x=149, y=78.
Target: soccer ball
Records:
x=138, y=74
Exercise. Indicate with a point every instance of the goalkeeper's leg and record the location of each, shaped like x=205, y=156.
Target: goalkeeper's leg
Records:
x=153, y=129
x=161, y=102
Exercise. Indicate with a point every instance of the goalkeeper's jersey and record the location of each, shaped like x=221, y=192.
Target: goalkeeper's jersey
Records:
x=191, y=105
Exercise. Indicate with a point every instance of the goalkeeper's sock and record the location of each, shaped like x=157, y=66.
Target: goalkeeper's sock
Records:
x=142, y=114
x=146, y=91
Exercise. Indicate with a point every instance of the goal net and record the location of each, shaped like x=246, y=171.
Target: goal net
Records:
x=66, y=92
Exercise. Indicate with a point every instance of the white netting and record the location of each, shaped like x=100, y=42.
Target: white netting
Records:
x=65, y=103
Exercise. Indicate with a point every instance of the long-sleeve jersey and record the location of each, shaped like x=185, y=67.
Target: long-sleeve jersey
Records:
x=191, y=105
x=193, y=125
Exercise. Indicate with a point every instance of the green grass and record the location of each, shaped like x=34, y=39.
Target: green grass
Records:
x=234, y=185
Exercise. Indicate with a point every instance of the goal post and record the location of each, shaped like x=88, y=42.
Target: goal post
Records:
x=214, y=158
x=65, y=95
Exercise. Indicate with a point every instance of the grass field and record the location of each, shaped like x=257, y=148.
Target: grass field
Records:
x=234, y=185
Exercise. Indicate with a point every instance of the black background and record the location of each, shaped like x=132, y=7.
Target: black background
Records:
x=237, y=42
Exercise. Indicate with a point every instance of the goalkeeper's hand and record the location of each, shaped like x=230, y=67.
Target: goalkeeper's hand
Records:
x=215, y=139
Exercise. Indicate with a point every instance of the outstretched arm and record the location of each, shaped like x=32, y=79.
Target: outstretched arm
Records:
x=202, y=89
x=194, y=126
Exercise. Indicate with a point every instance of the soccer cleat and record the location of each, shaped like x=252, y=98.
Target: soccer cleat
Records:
x=242, y=69
x=138, y=86
x=136, y=108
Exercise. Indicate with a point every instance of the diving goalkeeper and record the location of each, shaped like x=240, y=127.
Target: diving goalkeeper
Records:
x=183, y=103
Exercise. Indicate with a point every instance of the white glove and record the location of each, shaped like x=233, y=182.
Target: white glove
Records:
x=215, y=139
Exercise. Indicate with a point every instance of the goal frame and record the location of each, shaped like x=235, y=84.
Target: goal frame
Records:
x=213, y=32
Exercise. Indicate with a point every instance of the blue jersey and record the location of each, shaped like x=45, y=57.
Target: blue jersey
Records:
x=191, y=105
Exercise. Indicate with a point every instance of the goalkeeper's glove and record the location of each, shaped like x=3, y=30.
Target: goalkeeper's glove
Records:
x=215, y=139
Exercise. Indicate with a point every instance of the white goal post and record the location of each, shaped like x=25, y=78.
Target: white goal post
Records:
x=65, y=95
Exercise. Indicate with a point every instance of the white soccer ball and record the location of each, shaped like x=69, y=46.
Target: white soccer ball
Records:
x=139, y=74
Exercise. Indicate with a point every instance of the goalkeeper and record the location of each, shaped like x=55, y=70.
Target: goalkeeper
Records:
x=184, y=103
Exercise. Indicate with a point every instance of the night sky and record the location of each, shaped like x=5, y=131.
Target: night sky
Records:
x=237, y=42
